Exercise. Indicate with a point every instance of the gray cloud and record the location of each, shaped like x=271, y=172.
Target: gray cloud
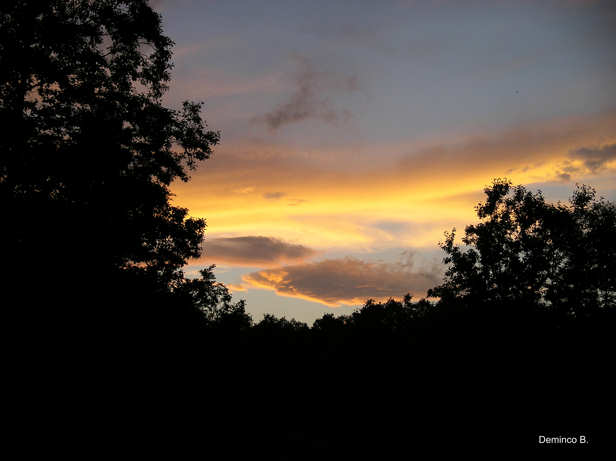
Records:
x=253, y=251
x=345, y=281
x=595, y=158
x=311, y=98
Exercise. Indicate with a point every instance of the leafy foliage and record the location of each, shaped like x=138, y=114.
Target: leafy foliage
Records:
x=90, y=150
x=526, y=250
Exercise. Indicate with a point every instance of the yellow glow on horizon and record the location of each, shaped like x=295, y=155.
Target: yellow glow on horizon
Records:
x=342, y=214
x=328, y=202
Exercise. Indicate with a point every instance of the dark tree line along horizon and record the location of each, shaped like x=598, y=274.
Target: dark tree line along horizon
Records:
x=94, y=292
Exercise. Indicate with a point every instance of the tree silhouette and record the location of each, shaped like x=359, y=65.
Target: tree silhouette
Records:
x=527, y=251
x=106, y=328
x=87, y=157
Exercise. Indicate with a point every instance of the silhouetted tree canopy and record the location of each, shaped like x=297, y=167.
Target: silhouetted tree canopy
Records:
x=89, y=151
x=525, y=250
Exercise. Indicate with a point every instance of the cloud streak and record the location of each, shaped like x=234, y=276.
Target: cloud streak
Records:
x=349, y=281
x=253, y=251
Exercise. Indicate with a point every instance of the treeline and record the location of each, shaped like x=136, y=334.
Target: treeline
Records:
x=402, y=377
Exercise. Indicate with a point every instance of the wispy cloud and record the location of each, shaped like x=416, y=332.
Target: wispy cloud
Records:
x=311, y=97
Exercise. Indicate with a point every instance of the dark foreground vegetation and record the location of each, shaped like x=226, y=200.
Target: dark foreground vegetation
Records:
x=113, y=351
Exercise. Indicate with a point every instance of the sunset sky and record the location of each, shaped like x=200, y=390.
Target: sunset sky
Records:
x=354, y=133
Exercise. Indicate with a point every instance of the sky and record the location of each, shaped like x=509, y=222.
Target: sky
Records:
x=355, y=133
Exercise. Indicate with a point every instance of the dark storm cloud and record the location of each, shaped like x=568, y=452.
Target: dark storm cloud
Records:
x=345, y=281
x=253, y=251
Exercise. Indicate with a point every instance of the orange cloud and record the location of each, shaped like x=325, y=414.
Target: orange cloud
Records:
x=234, y=287
x=349, y=281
